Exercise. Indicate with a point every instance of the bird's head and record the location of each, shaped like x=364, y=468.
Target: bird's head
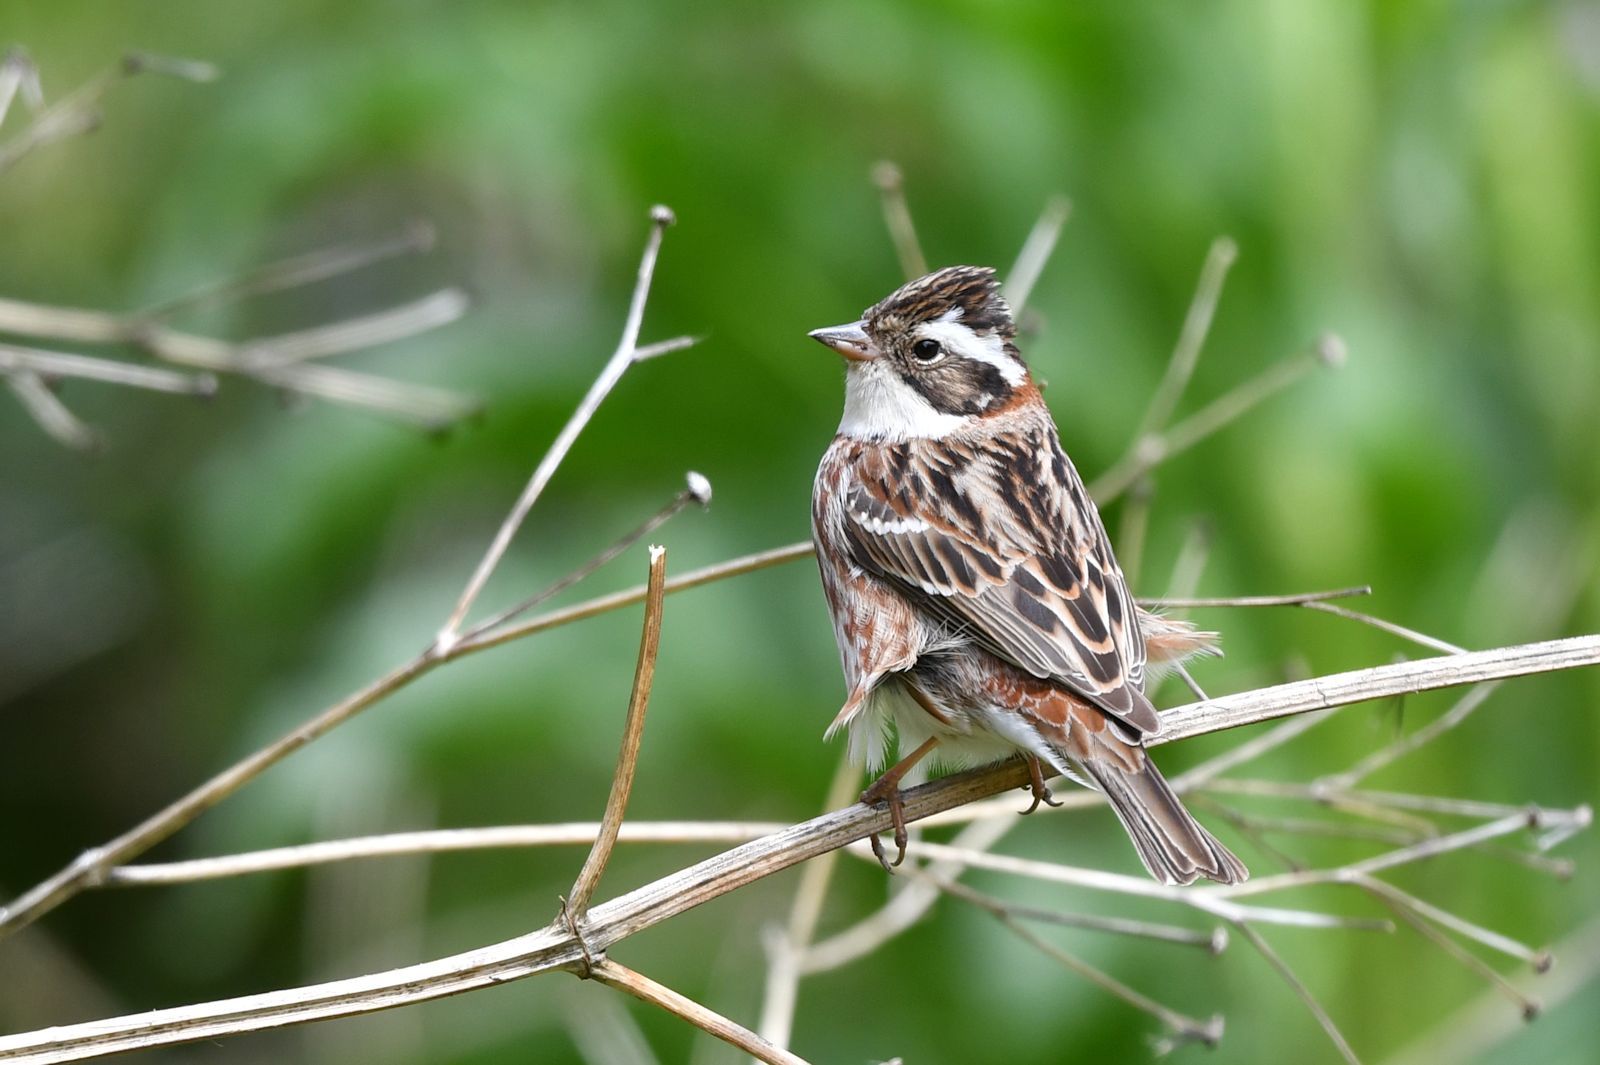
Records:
x=930, y=357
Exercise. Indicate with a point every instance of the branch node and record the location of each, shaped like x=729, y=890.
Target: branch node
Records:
x=89, y=868
x=585, y=964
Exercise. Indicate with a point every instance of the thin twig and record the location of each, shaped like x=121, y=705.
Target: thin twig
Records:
x=1191, y=338
x=429, y=406
x=1296, y=599
x=696, y=490
x=1433, y=643
x=18, y=76
x=1182, y=1026
x=1378, y=682
x=1463, y=709
x=616, y=366
x=1228, y=761
x=645, y=989
x=1150, y=451
x=1538, y=960
x=78, y=111
x=1422, y=850
x=1478, y=1030
x=364, y=331
x=897, y=216
x=628, y=596
x=1214, y=942
x=1036, y=251
x=17, y=359
x=52, y=415
x=632, y=733
x=1212, y=901
x=295, y=271
x=1529, y=1007
x=433, y=841
x=1326, y=1022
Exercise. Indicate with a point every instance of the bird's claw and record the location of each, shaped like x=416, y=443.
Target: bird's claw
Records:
x=897, y=817
x=1036, y=785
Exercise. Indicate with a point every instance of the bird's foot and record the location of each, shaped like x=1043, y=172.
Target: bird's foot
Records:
x=887, y=790
x=1036, y=785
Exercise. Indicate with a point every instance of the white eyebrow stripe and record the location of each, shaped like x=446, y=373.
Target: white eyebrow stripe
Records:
x=961, y=341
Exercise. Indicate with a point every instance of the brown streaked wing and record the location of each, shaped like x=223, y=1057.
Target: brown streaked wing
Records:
x=1034, y=582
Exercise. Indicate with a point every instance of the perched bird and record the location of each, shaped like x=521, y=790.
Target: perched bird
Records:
x=977, y=604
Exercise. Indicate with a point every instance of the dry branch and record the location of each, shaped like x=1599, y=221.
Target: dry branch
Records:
x=623, y=357
x=554, y=947
x=628, y=756
x=274, y=361
x=645, y=989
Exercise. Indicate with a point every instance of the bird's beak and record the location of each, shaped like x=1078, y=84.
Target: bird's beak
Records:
x=851, y=341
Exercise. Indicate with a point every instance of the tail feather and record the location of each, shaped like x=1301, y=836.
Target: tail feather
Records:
x=1174, y=847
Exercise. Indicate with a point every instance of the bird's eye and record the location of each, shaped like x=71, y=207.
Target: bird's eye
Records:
x=926, y=350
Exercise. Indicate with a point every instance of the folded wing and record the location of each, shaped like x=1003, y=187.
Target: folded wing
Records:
x=1000, y=538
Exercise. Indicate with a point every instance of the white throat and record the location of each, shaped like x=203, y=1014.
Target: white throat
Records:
x=878, y=405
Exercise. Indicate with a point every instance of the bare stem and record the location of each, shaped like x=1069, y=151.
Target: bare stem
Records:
x=628, y=596
x=433, y=841
x=1182, y=1026
x=1422, y=639
x=1196, y=325
x=17, y=359
x=90, y=867
x=1150, y=451
x=633, y=732
x=298, y=270
x=897, y=216
x=616, y=366
x=428, y=406
x=18, y=76
x=1295, y=599
x=364, y=331
x=1468, y=960
x=52, y=415
x=1326, y=1022
x=1463, y=709
x=1378, y=682
x=697, y=491
x=645, y=989
x=1214, y=942
x=78, y=112
x=1036, y=252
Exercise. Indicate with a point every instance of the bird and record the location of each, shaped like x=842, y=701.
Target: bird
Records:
x=979, y=610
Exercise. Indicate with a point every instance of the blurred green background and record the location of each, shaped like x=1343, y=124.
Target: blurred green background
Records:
x=1419, y=177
